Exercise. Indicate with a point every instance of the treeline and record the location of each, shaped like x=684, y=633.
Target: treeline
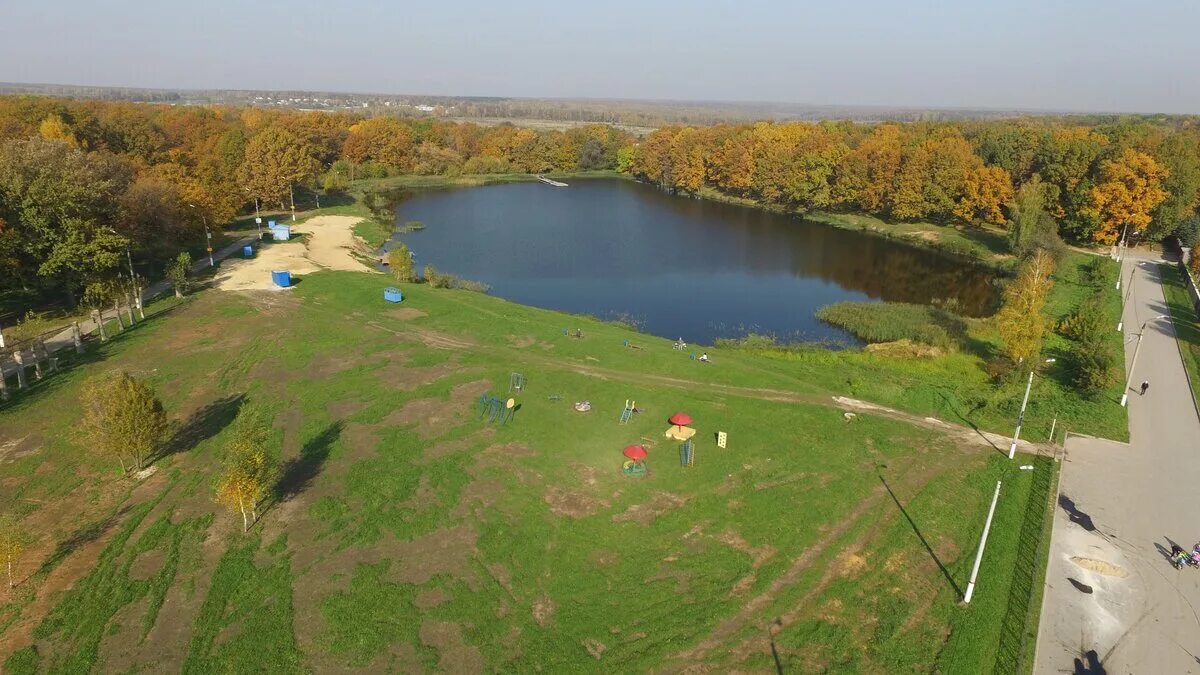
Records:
x=82, y=182
x=1052, y=176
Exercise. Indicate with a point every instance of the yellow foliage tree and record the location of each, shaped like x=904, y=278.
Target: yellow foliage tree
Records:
x=1128, y=190
x=1020, y=319
x=122, y=417
x=12, y=543
x=986, y=191
x=249, y=470
x=53, y=128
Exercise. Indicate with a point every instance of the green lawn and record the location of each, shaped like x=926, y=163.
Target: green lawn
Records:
x=1183, y=314
x=414, y=536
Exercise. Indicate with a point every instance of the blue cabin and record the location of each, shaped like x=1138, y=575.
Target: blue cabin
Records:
x=392, y=295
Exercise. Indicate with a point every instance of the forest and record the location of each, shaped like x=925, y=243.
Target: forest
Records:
x=84, y=182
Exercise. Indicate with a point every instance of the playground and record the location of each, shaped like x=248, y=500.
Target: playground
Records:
x=429, y=523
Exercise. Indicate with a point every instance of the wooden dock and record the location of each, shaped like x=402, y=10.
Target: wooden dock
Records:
x=547, y=181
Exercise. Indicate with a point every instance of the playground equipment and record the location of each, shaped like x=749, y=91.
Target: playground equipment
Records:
x=687, y=453
x=627, y=412
x=679, y=430
x=495, y=409
x=633, y=469
x=583, y=406
x=637, y=455
x=392, y=294
x=516, y=383
x=282, y=278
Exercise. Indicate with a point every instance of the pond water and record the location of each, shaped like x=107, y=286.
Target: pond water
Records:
x=675, y=266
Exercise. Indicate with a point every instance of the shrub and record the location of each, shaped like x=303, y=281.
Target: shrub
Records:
x=1092, y=354
x=893, y=321
x=1188, y=231
x=436, y=279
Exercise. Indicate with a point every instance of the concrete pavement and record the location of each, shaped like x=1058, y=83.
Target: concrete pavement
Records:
x=1113, y=603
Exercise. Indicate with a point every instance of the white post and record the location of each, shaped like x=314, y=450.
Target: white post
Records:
x=982, y=543
x=292, y=195
x=1012, y=449
x=1, y=338
x=1053, y=424
x=1132, y=363
x=1128, y=290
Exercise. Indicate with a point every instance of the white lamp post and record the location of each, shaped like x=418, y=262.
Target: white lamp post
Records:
x=1133, y=361
x=1012, y=449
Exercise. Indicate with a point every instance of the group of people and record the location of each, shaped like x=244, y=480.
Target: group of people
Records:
x=1180, y=557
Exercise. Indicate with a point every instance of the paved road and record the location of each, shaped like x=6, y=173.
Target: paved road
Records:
x=1109, y=588
x=64, y=339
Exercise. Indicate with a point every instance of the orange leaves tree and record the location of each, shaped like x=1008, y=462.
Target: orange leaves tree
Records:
x=1128, y=190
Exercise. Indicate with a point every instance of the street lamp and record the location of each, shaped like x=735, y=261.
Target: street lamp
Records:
x=1012, y=449
x=1133, y=361
x=1120, y=248
x=257, y=217
x=207, y=235
x=1128, y=292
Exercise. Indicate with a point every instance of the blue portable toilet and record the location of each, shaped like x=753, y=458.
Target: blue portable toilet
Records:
x=247, y=251
x=282, y=278
x=281, y=233
x=392, y=294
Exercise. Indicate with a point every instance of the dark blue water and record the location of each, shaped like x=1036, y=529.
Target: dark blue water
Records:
x=675, y=266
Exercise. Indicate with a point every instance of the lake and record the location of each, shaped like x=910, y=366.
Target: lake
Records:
x=675, y=266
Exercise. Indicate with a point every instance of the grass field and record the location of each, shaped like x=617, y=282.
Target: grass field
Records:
x=1183, y=315
x=410, y=535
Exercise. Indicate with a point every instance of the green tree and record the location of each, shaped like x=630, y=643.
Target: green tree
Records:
x=1029, y=225
x=179, y=272
x=1180, y=156
x=122, y=417
x=401, y=263
x=1092, y=356
x=1021, y=319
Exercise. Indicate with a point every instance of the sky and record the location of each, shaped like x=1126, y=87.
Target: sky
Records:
x=1076, y=55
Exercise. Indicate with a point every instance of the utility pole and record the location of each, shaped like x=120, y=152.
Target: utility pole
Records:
x=982, y=543
x=1133, y=361
x=1120, y=249
x=1012, y=449
x=207, y=236
x=292, y=194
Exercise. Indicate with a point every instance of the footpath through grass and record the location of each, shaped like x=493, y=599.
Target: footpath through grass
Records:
x=414, y=536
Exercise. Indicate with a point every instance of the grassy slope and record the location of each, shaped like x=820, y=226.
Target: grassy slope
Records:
x=793, y=514
x=1187, y=328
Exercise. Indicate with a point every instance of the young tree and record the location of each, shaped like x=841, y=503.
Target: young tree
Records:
x=1030, y=225
x=122, y=417
x=1092, y=355
x=249, y=469
x=401, y=262
x=178, y=272
x=1020, y=318
x=12, y=543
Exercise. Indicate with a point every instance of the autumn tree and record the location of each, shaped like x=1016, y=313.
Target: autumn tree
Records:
x=249, y=469
x=986, y=190
x=13, y=540
x=53, y=128
x=275, y=161
x=123, y=418
x=1021, y=319
x=179, y=272
x=400, y=261
x=381, y=139
x=1126, y=193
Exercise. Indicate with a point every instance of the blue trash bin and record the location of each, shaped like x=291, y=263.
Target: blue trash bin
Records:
x=247, y=251
x=282, y=278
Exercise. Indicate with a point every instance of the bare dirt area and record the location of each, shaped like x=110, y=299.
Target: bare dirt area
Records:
x=328, y=243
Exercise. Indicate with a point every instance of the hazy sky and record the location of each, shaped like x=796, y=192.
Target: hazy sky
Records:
x=1116, y=55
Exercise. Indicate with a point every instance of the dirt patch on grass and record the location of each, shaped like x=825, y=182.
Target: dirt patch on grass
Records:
x=405, y=313
x=147, y=564
x=433, y=597
x=454, y=655
x=290, y=421
x=647, y=513
x=396, y=376
x=325, y=366
x=434, y=417
x=851, y=564
x=573, y=504
x=522, y=341
x=443, y=340
x=446, y=448
x=361, y=440
x=340, y=410
x=595, y=648
x=480, y=496
x=447, y=551
x=119, y=647
x=15, y=448
x=543, y=611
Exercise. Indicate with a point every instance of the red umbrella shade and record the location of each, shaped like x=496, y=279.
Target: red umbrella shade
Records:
x=635, y=452
x=681, y=419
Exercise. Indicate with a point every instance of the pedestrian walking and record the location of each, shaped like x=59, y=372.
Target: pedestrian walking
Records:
x=1145, y=386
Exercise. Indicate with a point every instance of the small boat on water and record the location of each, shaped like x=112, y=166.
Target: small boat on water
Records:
x=547, y=181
